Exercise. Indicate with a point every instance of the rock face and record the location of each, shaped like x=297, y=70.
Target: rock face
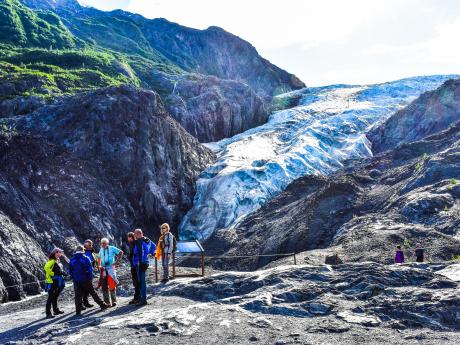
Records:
x=89, y=166
x=216, y=52
x=211, y=109
x=430, y=113
x=361, y=212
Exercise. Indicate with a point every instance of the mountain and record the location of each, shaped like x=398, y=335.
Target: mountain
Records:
x=316, y=137
x=406, y=195
x=21, y=26
x=90, y=166
x=430, y=113
x=115, y=48
x=100, y=113
x=211, y=52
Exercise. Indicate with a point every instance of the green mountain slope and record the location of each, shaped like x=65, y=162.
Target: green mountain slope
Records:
x=23, y=27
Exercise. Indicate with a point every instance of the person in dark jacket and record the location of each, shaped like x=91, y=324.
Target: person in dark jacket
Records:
x=419, y=253
x=54, y=282
x=81, y=271
x=90, y=253
x=143, y=247
x=131, y=244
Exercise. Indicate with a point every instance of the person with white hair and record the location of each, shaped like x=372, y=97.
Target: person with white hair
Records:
x=108, y=261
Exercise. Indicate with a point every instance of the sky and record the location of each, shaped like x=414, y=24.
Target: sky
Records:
x=328, y=41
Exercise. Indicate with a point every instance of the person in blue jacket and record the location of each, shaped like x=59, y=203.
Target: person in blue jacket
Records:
x=143, y=247
x=81, y=271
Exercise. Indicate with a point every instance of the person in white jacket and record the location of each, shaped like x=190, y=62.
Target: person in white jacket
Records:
x=167, y=246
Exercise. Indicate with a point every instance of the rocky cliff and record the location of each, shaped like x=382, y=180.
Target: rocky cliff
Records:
x=89, y=166
x=211, y=109
x=216, y=52
x=430, y=113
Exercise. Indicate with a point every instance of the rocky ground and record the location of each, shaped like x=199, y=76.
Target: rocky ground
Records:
x=348, y=304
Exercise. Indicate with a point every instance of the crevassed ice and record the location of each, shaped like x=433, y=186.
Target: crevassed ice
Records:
x=315, y=137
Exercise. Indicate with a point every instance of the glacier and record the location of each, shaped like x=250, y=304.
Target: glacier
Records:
x=327, y=128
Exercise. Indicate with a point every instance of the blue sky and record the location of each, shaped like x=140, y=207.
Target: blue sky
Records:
x=328, y=41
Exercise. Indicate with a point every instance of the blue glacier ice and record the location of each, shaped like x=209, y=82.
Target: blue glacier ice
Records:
x=315, y=137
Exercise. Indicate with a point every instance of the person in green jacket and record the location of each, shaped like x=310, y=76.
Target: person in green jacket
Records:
x=54, y=282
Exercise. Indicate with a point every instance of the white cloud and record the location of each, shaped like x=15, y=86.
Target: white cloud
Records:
x=324, y=41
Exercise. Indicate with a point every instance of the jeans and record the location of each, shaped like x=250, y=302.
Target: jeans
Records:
x=141, y=277
x=83, y=289
x=134, y=276
x=53, y=295
x=165, y=263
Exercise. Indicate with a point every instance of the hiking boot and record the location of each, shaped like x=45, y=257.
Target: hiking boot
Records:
x=165, y=280
x=83, y=308
x=104, y=306
x=88, y=305
x=49, y=316
x=141, y=303
x=57, y=312
x=114, y=304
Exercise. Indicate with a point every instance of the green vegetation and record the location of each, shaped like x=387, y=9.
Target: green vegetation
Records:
x=23, y=27
x=7, y=132
x=406, y=243
x=452, y=183
x=40, y=56
x=419, y=165
x=36, y=71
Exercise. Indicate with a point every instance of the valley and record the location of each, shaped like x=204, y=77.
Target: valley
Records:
x=111, y=121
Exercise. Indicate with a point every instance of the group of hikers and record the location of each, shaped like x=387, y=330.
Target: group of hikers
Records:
x=419, y=254
x=85, y=261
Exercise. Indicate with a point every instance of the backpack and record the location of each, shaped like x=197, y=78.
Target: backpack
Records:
x=174, y=244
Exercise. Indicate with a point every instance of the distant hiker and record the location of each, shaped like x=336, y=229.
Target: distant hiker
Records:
x=81, y=271
x=54, y=282
x=419, y=253
x=108, y=261
x=399, y=255
x=143, y=247
x=167, y=246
